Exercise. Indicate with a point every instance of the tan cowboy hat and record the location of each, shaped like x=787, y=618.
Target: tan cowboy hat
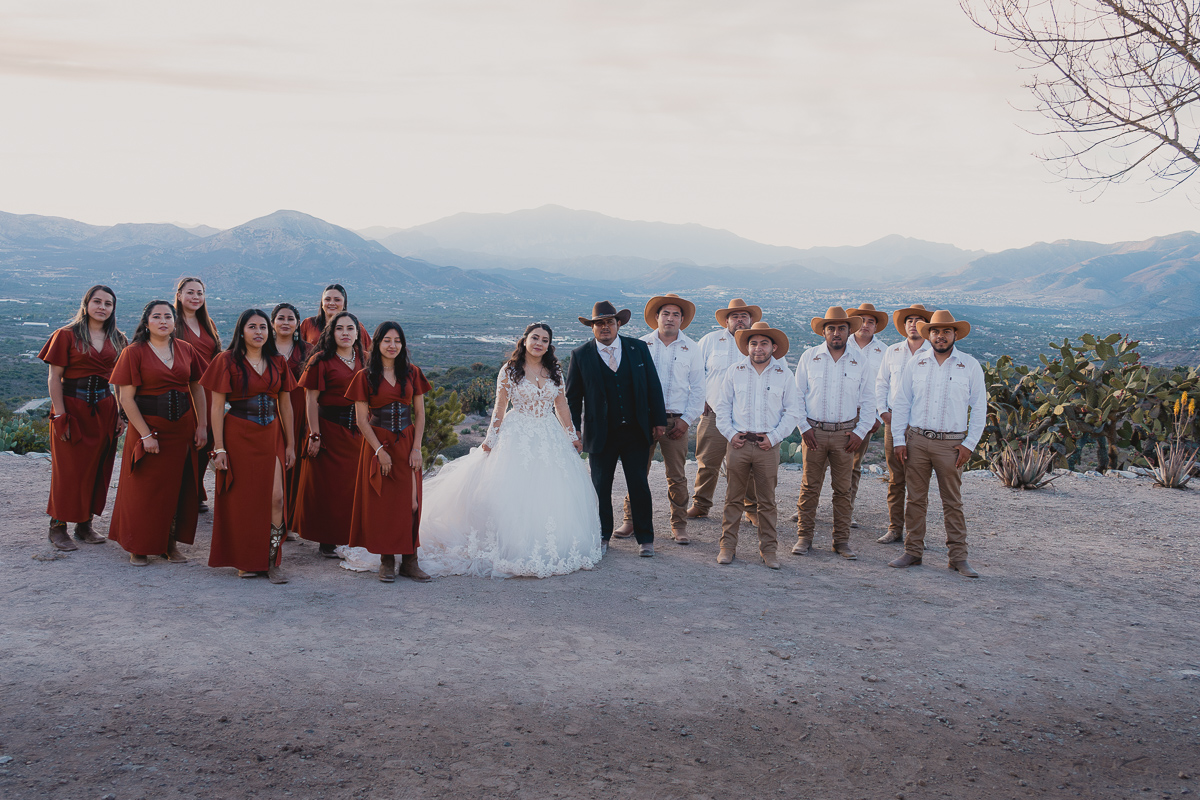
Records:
x=738, y=304
x=835, y=314
x=944, y=319
x=604, y=310
x=762, y=329
x=915, y=310
x=868, y=310
x=669, y=299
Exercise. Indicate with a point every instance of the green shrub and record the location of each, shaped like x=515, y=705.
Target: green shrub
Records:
x=442, y=412
x=22, y=434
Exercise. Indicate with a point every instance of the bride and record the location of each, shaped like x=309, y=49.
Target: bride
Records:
x=522, y=503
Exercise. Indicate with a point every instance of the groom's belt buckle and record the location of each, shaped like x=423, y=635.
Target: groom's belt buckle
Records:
x=834, y=426
x=947, y=436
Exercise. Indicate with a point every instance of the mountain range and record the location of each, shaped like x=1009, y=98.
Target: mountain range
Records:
x=561, y=252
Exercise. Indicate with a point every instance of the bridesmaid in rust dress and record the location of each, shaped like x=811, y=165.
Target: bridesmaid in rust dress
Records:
x=389, y=405
x=333, y=302
x=83, y=416
x=329, y=466
x=157, y=379
x=253, y=445
x=196, y=328
x=285, y=320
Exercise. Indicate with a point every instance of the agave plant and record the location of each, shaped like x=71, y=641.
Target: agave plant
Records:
x=1176, y=459
x=1024, y=466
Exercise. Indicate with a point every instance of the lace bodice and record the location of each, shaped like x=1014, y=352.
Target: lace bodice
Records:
x=529, y=399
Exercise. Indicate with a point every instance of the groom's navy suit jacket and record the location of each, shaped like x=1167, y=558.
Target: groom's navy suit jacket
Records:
x=586, y=392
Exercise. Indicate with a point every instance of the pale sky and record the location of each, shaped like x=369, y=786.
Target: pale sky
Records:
x=792, y=122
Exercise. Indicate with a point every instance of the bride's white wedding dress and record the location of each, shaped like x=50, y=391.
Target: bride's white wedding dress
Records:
x=525, y=508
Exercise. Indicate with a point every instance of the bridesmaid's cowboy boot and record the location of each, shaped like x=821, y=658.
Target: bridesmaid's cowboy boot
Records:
x=173, y=555
x=410, y=569
x=59, y=537
x=275, y=573
x=387, y=568
x=85, y=534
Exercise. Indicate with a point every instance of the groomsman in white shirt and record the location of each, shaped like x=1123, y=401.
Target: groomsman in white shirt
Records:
x=719, y=349
x=756, y=410
x=837, y=408
x=867, y=342
x=887, y=385
x=938, y=417
x=681, y=372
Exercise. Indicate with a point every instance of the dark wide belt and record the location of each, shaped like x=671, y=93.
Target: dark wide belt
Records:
x=259, y=409
x=170, y=405
x=948, y=436
x=849, y=425
x=90, y=388
x=342, y=415
x=393, y=417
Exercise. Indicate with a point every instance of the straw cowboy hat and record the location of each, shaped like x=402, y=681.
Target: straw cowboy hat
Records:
x=916, y=310
x=669, y=299
x=868, y=310
x=944, y=319
x=835, y=315
x=738, y=304
x=604, y=310
x=762, y=329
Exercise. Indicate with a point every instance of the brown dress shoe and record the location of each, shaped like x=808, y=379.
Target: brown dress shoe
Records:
x=770, y=560
x=695, y=513
x=625, y=531
x=891, y=536
x=85, y=534
x=59, y=537
x=964, y=569
x=725, y=556
x=173, y=555
x=802, y=547
x=906, y=560
x=845, y=552
x=138, y=561
x=411, y=570
x=680, y=536
x=387, y=569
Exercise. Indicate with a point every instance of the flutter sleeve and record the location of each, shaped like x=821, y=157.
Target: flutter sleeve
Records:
x=217, y=377
x=128, y=369
x=313, y=376
x=57, y=350
x=287, y=381
x=420, y=384
x=359, y=390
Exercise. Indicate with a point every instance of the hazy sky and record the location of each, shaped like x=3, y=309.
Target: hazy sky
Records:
x=799, y=122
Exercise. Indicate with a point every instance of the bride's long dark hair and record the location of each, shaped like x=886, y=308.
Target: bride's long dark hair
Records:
x=516, y=359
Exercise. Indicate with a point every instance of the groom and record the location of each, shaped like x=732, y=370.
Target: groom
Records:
x=613, y=386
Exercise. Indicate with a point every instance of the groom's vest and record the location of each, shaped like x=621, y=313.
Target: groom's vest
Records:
x=618, y=390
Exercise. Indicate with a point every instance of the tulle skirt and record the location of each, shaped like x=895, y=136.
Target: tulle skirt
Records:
x=525, y=509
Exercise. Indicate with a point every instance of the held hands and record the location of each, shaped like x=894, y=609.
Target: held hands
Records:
x=964, y=455
x=201, y=439
x=853, y=442
x=578, y=445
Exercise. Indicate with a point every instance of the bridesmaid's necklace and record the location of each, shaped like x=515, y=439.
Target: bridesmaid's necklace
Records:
x=169, y=358
x=349, y=362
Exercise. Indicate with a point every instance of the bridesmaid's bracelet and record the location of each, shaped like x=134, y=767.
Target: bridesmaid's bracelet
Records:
x=377, y=449
x=218, y=452
x=147, y=436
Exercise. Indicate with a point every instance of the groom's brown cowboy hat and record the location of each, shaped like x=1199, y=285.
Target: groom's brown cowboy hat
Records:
x=915, y=310
x=834, y=316
x=738, y=304
x=762, y=329
x=669, y=299
x=606, y=310
x=868, y=310
x=944, y=319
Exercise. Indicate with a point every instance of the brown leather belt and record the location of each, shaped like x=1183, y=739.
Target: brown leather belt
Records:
x=393, y=417
x=948, y=436
x=170, y=405
x=341, y=415
x=259, y=409
x=834, y=426
x=91, y=388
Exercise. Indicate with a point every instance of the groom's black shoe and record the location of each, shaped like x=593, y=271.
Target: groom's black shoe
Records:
x=646, y=550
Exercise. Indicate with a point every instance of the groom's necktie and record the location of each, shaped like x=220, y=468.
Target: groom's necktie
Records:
x=611, y=355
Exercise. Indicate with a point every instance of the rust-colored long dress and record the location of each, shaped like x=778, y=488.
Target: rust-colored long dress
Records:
x=291, y=486
x=309, y=332
x=157, y=487
x=206, y=348
x=384, y=521
x=242, y=508
x=81, y=467
x=326, y=493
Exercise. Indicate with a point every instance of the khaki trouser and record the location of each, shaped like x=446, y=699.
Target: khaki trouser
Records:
x=830, y=451
x=710, y=452
x=674, y=455
x=895, y=492
x=856, y=475
x=749, y=466
x=926, y=456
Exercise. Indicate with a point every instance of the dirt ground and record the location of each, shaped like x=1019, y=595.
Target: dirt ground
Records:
x=1070, y=669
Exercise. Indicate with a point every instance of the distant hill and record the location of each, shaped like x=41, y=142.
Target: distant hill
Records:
x=573, y=242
